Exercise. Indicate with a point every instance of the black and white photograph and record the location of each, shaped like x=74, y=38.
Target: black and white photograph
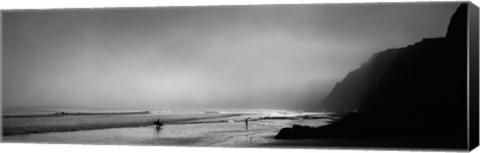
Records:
x=354, y=75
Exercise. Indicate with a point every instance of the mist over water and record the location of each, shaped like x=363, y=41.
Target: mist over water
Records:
x=274, y=56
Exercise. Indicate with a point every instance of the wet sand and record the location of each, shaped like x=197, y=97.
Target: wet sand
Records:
x=222, y=128
x=15, y=126
x=208, y=132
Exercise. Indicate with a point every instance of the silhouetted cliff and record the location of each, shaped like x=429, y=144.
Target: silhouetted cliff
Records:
x=418, y=91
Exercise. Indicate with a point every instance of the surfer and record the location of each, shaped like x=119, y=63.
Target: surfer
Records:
x=158, y=123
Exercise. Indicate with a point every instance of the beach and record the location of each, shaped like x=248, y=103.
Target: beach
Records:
x=189, y=128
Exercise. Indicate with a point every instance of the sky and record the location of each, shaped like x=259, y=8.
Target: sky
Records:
x=261, y=56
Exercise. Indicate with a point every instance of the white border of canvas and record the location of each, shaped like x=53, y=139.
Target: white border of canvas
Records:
x=64, y=148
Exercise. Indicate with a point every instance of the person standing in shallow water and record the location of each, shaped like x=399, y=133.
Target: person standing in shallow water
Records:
x=246, y=124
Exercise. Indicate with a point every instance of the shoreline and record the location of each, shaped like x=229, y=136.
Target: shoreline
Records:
x=179, y=129
x=35, y=125
x=220, y=134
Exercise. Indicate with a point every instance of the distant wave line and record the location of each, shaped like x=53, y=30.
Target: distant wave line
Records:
x=60, y=114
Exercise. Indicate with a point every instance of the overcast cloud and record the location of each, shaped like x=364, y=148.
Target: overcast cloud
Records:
x=270, y=56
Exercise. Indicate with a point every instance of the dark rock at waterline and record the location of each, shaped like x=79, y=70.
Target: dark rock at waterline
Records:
x=414, y=92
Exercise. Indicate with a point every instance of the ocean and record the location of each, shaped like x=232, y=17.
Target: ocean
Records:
x=182, y=127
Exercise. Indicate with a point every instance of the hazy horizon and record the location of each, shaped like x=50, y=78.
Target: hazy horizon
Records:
x=262, y=56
